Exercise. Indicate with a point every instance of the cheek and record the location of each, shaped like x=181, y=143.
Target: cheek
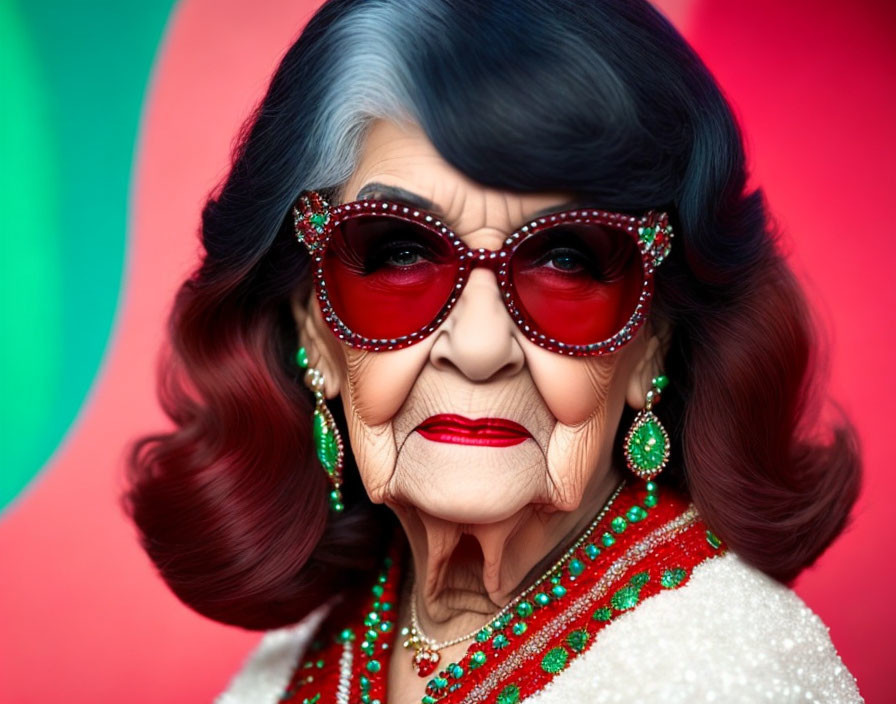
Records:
x=586, y=398
x=575, y=389
x=378, y=383
x=375, y=386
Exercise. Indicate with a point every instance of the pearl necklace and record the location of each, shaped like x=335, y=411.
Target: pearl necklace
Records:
x=426, y=650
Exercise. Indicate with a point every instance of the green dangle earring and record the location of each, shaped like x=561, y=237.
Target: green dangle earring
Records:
x=647, y=442
x=327, y=440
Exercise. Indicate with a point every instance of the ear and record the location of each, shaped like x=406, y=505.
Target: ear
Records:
x=318, y=341
x=657, y=333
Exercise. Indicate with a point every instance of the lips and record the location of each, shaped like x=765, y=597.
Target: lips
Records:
x=449, y=427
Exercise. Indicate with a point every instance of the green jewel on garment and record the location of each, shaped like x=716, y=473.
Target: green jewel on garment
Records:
x=603, y=614
x=554, y=660
x=373, y=666
x=542, y=599
x=366, y=648
x=576, y=567
x=650, y=500
x=477, y=660
x=673, y=577
x=345, y=635
x=607, y=539
x=577, y=640
x=371, y=634
x=652, y=486
x=302, y=358
x=519, y=628
x=386, y=626
x=639, y=579
x=509, y=695
x=558, y=590
x=502, y=621
x=428, y=699
x=365, y=698
x=635, y=514
x=377, y=590
x=618, y=524
x=325, y=443
x=372, y=619
x=647, y=444
x=500, y=641
x=455, y=670
x=713, y=539
x=592, y=551
x=484, y=634
x=313, y=700
x=625, y=598
x=437, y=683
x=365, y=681
x=524, y=609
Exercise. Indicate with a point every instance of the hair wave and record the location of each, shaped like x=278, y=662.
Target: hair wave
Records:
x=231, y=505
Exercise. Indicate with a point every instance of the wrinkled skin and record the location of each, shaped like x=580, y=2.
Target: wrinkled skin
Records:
x=482, y=521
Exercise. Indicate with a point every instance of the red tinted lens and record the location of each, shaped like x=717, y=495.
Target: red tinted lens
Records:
x=387, y=277
x=577, y=283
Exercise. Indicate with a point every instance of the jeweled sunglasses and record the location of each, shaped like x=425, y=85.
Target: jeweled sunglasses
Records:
x=386, y=275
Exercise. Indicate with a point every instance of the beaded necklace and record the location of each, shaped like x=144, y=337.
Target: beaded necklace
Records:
x=648, y=547
x=426, y=650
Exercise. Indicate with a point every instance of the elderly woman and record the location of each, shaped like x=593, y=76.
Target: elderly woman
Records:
x=492, y=379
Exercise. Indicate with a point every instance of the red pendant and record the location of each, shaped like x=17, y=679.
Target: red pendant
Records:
x=425, y=661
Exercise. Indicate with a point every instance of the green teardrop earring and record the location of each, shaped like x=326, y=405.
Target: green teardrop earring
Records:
x=647, y=442
x=327, y=439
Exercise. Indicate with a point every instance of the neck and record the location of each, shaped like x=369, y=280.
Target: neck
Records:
x=464, y=574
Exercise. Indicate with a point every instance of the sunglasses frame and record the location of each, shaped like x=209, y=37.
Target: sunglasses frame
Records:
x=314, y=221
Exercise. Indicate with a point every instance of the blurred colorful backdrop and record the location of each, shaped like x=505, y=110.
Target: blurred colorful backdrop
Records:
x=118, y=119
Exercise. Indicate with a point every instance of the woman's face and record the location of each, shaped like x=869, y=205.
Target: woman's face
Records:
x=477, y=364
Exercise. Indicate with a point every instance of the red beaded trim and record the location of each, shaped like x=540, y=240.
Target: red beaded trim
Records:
x=649, y=555
x=314, y=220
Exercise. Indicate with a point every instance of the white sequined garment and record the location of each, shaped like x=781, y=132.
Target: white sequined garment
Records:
x=730, y=635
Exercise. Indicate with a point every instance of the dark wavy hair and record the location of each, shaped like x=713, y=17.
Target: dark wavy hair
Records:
x=603, y=99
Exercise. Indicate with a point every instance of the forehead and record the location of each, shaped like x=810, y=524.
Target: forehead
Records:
x=400, y=157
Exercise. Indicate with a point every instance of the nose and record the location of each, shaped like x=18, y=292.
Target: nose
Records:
x=478, y=338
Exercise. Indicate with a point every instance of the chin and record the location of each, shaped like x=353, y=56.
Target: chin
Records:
x=469, y=483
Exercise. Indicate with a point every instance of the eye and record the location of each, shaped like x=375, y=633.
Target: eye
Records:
x=401, y=254
x=563, y=259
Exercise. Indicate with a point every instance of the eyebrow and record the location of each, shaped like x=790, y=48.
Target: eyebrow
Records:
x=380, y=191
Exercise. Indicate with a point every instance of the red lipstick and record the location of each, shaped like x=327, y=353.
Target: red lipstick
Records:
x=449, y=427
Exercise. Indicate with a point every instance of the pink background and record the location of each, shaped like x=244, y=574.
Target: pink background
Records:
x=84, y=617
